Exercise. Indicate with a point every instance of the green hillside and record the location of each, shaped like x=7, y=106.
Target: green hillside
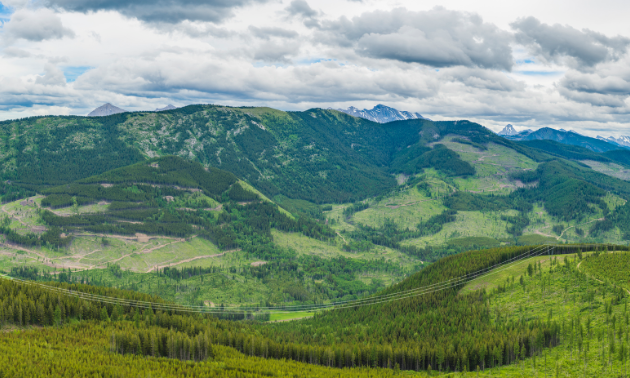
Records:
x=193, y=235
x=261, y=200
x=545, y=316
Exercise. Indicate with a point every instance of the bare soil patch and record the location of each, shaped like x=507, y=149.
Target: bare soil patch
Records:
x=142, y=238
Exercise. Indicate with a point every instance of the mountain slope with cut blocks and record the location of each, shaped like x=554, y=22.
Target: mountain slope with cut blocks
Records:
x=170, y=196
x=193, y=186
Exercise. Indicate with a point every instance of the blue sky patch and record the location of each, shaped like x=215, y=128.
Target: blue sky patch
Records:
x=4, y=11
x=5, y=14
x=539, y=73
x=72, y=73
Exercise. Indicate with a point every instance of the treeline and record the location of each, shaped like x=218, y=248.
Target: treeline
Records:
x=51, y=237
x=170, y=170
x=10, y=192
x=150, y=221
x=137, y=183
x=35, y=353
x=66, y=195
x=238, y=193
x=620, y=217
x=355, y=208
x=390, y=235
x=159, y=342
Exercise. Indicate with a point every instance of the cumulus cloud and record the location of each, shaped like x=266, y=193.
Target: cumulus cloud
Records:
x=437, y=38
x=158, y=11
x=565, y=44
x=483, y=79
x=594, y=83
x=609, y=86
x=52, y=76
x=234, y=79
x=269, y=32
x=36, y=25
x=301, y=8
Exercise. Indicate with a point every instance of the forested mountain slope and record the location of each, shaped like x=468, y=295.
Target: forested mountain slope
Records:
x=319, y=155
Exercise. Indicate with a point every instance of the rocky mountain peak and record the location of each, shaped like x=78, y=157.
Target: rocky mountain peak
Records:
x=382, y=114
x=105, y=110
x=508, y=130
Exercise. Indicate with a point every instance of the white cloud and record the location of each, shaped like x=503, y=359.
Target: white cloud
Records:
x=35, y=25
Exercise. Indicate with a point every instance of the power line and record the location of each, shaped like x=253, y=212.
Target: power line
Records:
x=335, y=305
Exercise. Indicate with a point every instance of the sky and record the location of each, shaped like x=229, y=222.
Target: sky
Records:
x=529, y=63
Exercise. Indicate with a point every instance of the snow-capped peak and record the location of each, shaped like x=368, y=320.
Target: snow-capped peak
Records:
x=508, y=130
x=382, y=114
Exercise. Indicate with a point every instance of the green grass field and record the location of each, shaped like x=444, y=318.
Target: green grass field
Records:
x=282, y=317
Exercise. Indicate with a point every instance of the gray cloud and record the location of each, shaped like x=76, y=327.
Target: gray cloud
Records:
x=578, y=48
x=301, y=8
x=158, y=11
x=235, y=80
x=437, y=38
x=596, y=99
x=606, y=89
x=483, y=79
x=592, y=83
x=267, y=33
x=14, y=52
x=36, y=25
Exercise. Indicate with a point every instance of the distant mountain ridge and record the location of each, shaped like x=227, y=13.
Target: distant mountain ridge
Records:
x=566, y=137
x=167, y=107
x=382, y=114
x=622, y=140
x=106, y=110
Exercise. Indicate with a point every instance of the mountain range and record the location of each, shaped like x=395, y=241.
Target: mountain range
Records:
x=599, y=144
x=382, y=114
x=385, y=114
x=623, y=140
